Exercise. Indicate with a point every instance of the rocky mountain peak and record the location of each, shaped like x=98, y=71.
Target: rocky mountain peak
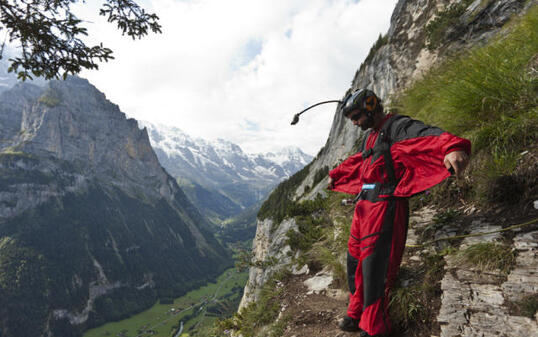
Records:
x=71, y=120
x=221, y=166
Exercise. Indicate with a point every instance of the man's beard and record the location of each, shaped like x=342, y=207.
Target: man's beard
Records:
x=369, y=123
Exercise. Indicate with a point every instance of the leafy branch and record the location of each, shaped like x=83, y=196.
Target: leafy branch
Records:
x=49, y=35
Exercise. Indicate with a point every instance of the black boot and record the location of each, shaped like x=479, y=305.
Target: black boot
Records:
x=349, y=324
x=365, y=334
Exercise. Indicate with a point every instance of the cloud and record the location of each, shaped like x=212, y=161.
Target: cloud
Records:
x=240, y=69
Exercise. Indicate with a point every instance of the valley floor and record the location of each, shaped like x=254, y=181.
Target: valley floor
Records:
x=197, y=310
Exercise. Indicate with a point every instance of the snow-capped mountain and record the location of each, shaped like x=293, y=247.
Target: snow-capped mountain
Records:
x=222, y=167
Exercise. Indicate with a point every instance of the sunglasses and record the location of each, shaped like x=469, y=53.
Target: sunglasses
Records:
x=356, y=116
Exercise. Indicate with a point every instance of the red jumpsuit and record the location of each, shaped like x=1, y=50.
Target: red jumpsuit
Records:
x=402, y=158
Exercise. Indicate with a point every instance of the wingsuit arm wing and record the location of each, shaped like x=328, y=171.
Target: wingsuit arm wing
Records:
x=420, y=149
x=346, y=176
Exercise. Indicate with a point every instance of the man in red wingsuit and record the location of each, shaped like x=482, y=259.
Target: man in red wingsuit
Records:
x=399, y=157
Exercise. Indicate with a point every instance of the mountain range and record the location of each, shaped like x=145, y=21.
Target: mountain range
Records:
x=218, y=177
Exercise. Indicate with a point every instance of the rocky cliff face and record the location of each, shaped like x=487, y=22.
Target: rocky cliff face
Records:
x=268, y=246
x=73, y=121
x=396, y=62
x=92, y=228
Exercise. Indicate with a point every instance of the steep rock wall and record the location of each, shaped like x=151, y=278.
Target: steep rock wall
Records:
x=269, y=248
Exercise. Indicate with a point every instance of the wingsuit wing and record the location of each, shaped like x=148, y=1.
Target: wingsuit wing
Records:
x=346, y=176
x=418, y=152
x=422, y=161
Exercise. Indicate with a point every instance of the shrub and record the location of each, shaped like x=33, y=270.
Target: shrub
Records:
x=50, y=98
x=309, y=231
x=527, y=306
x=446, y=19
x=260, y=313
x=380, y=42
x=411, y=305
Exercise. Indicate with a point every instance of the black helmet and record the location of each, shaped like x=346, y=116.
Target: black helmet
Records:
x=362, y=99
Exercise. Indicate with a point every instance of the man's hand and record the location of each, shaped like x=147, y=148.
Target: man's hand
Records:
x=331, y=183
x=458, y=160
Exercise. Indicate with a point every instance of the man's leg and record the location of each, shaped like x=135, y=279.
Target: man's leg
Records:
x=382, y=257
x=351, y=321
x=352, y=264
x=354, y=272
x=354, y=309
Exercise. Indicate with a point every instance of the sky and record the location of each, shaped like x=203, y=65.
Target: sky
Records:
x=239, y=69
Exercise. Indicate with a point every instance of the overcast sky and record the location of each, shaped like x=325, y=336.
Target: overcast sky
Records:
x=240, y=69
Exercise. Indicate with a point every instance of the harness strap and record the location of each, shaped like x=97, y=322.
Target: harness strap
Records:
x=382, y=148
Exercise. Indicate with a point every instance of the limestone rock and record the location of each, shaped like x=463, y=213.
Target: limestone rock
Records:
x=318, y=283
x=474, y=304
x=269, y=243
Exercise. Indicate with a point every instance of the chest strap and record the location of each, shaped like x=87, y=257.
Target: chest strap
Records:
x=378, y=192
x=382, y=148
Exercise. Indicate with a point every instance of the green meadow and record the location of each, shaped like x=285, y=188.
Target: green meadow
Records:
x=198, y=310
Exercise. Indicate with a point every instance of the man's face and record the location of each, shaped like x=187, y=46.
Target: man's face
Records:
x=360, y=118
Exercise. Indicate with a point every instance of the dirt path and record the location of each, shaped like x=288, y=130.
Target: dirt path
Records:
x=311, y=314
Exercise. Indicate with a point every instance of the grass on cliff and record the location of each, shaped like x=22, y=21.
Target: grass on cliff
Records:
x=489, y=95
x=527, y=306
x=416, y=295
x=488, y=256
x=321, y=239
x=257, y=318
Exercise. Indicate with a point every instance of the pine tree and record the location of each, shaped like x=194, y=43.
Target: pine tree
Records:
x=48, y=35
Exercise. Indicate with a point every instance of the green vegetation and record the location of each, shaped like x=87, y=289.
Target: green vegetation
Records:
x=306, y=207
x=50, y=98
x=414, y=296
x=52, y=37
x=450, y=18
x=489, y=95
x=380, y=42
x=258, y=314
x=310, y=231
x=276, y=205
x=527, y=306
x=323, y=230
x=48, y=261
x=330, y=257
x=320, y=175
x=198, y=310
x=488, y=256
